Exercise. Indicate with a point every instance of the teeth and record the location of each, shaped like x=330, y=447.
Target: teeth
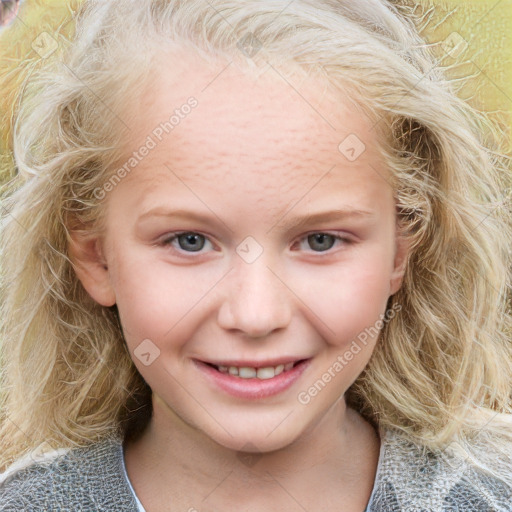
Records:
x=246, y=372
x=279, y=369
x=265, y=373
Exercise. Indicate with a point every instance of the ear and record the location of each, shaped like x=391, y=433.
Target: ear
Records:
x=90, y=266
x=402, y=247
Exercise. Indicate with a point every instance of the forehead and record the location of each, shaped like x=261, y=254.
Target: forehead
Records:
x=280, y=129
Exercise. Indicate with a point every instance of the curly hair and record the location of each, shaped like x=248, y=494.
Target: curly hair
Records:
x=442, y=370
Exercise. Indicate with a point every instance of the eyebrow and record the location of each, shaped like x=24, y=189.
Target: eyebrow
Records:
x=326, y=216
x=178, y=213
x=291, y=223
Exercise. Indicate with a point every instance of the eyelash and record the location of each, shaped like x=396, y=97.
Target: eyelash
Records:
x=174, y=236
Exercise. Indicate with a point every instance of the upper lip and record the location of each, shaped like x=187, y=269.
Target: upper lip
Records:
x=255, y=364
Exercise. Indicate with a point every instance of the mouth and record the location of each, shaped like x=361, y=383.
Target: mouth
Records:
x=255, y=370
x=253, y=380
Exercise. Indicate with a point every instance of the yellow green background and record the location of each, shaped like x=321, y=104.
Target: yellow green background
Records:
x=486, y=26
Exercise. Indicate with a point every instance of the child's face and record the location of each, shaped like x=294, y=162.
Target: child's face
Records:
x=251, y=159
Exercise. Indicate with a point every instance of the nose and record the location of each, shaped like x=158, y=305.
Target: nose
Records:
x=255, y=300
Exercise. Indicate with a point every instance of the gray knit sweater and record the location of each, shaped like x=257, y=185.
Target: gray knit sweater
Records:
x=93, y=478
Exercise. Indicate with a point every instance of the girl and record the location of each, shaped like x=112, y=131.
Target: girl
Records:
x=256, y=255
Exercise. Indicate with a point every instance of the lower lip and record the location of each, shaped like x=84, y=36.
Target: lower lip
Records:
x=255, y=388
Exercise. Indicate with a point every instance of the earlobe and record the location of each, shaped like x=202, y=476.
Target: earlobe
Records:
x=400, y=264
x=90, y=267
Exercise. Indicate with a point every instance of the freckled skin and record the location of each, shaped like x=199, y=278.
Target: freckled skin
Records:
x=252, y=154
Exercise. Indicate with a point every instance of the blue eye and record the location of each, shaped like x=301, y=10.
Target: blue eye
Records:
x=188, y=241
x=321, y=242
x=192, y=242
x=325, y=241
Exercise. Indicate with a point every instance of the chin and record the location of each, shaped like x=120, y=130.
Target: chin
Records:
x=254, y=439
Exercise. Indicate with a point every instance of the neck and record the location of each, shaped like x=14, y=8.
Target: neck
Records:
x=341, y=450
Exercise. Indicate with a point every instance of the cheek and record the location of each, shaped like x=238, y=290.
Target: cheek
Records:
x=149, y=303
x=346, y=300
x=160, y=301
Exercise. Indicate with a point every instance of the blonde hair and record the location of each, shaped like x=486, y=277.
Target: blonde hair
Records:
x=441, y=371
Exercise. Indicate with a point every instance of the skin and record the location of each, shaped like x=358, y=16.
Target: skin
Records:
x=252, y=156
x=7, y=15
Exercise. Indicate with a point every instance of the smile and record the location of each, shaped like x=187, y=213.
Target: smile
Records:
x=250, y=372
x=253, y=379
